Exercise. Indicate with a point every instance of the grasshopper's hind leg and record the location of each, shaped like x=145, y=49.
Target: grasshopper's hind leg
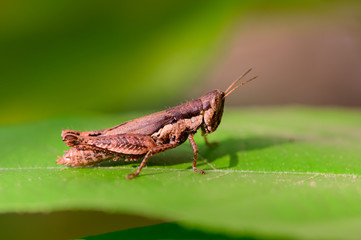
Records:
x=195, y=150
x=133, y=175
x=151, y=152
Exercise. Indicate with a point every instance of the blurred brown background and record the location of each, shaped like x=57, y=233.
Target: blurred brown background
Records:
x=305, y=57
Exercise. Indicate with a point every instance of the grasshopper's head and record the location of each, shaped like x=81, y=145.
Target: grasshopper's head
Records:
x=213, y=104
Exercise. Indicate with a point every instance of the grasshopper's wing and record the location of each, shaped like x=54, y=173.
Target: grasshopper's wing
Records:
x=146, y=125
x=128, y=144
x=150, y=124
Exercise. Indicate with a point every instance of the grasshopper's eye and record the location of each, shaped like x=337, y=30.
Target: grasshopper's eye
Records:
x=70, y=138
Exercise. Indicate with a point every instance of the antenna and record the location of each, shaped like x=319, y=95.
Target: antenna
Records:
x=230, y=90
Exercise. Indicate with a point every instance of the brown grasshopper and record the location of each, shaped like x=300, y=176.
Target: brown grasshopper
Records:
x=151, y=134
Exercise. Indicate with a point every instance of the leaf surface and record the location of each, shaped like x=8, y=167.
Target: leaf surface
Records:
x=291, y=172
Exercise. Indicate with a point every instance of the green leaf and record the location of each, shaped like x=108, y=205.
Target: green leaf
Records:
x=291, y=172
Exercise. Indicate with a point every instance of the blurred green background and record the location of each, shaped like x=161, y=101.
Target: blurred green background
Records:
x=73, y=58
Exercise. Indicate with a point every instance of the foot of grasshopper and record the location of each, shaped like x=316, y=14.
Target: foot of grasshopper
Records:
x=209, y=144
x=199, y=171
x=132, y=175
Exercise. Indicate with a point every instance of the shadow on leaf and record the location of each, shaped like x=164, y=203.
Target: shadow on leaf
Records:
x=229, y=147
x=232, y=146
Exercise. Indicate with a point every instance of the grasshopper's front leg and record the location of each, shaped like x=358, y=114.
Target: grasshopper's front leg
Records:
x=195, y=150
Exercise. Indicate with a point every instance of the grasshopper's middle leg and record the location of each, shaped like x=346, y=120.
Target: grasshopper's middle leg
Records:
x=151, y=152
x=195, y=150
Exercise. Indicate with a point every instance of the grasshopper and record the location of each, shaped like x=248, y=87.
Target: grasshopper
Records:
x=146, y=136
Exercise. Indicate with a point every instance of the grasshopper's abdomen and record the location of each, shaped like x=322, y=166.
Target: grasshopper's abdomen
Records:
x=90, y=150
x=75, y=157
